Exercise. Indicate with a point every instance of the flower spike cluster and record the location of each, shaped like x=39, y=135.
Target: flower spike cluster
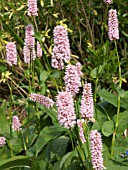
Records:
x=39, y=50
x=113, y=31
x=16, y=123
x=72, y=78
x=11, y=53
x=29, y=47
x=32, y=8
x=96, y=150
x=81, y=130
x=61, y=49
x=45, y=101
x=108, y=2
x=2, y=141
x=66, y=110
x=87, y=105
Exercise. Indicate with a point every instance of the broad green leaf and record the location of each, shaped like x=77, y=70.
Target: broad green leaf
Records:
x=96, y=71
x=59, y=146
x=44, y=75
x=112, y=98
x=108, y=128
x=109, y=97
x=123, y=122
x=17, y=38
x=55, y=149
x=16, y=161
x=59, y=165
x=47, y=134
x=39, y=165
x=4, y=123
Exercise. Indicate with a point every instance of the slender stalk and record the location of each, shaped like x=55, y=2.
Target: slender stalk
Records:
x=25, y=147
x=71, y=136
x=118, y=105
x=120, y=77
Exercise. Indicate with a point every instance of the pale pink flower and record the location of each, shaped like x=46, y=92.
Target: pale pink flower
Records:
x=113, y=31
x=87, y=105
x=29, y=47
x=32, y=7
x=81, y=130
x=39, y=50
x=108, y=2
x=29, y=36
x=11, y=53
x=2, y=141
x=66, y=110
x=45, y=101
x=61, y=49
x=96, y=150
x=72, y=78
x=16, y=123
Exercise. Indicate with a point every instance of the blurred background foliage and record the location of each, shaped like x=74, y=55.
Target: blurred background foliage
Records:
x=87, y=27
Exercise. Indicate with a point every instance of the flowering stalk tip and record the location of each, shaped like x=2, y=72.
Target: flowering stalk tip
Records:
x=45, y=101
x=96, y=150
x=61, y=49
x=11, y=53
x=87, y=105
x=66, y=110
x=113, y=31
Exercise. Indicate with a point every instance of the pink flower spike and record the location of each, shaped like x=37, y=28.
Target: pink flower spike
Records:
x=32, y=8
x=81, y=130
x=39, y=50
x=66, y=110
x=16, y=123
x=45, y=101
x=29, y=47
x=87, y=105
x=2, y=141
x=113, y=31
x=72, y=78
x=11, y=53
x=108, y=2
x=61, y=49
x=96, y=150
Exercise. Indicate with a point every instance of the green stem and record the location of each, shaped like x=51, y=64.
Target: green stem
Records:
x=25, y=148
x=120, y=77
x=72, y=139
x=116, y=126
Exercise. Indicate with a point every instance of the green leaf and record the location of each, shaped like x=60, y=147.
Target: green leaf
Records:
x=17, y=38
x=108, y=128
x=123, y=122
x=109, y=97
x=59, y=146
x=58, y=165
x=4, y=123
x=55, y=149
x=39, y=165
x=44, y=75
x=16, y=161
x=96, y=71
x=47, y=134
